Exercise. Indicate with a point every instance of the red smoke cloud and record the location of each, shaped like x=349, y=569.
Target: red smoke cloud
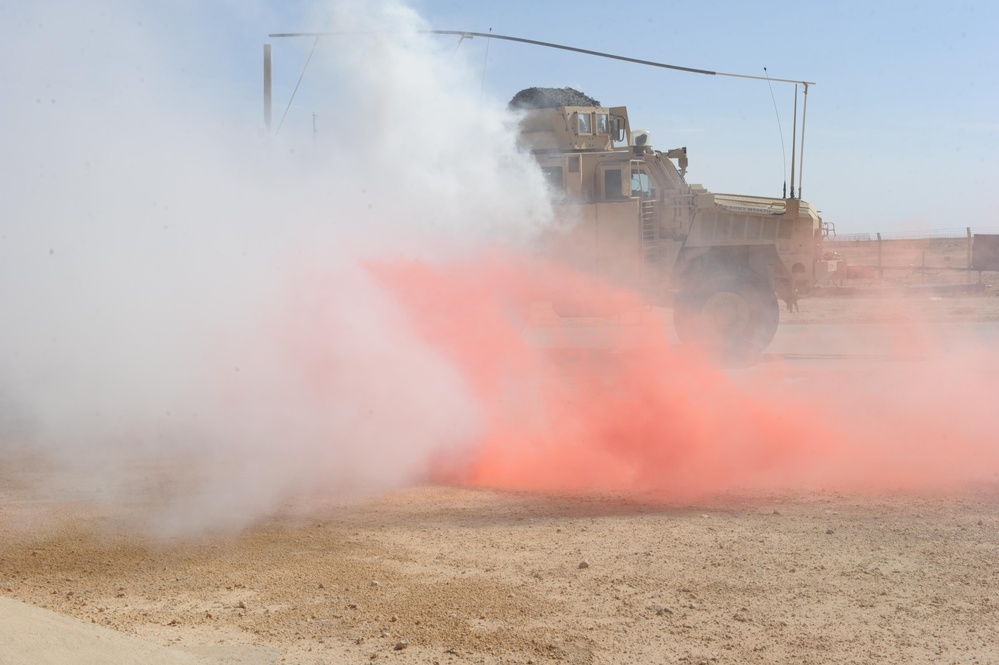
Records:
x=658, y=419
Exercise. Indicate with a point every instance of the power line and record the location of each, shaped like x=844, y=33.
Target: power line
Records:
x=464, y=34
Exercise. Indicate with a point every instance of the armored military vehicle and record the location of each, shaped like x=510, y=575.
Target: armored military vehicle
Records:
x=629, y=215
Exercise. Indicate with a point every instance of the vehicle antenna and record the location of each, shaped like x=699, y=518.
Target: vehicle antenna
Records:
x=794, y=137
x=783, y=153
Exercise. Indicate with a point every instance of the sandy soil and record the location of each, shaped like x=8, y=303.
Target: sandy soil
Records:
x=442, y=574
x=896, y=309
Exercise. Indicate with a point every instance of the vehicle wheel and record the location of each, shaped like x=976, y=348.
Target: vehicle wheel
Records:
x=733, y=317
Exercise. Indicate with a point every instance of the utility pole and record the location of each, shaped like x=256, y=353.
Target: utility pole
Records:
x=267, y=88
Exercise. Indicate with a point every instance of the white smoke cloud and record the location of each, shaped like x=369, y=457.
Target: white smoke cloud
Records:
x=183, y=308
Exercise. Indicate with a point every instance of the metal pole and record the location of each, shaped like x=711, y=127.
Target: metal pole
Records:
x=801, y=162
x=267, y=88
x=794, y=137
x=881, y=272
x=969, y=254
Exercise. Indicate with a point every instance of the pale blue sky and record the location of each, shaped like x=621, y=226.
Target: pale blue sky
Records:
x=902, y=126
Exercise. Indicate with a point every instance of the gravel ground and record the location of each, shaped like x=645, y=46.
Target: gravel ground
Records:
x=438, y=574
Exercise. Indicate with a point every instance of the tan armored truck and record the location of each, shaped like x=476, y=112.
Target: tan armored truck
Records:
x=628, y=214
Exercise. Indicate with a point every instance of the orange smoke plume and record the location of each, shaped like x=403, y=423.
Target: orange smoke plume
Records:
x=659, y=419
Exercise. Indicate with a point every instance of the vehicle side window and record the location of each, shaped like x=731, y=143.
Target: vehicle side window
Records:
x=603, y=123
x=612, y=184
x=585, y=125
x=641, y=185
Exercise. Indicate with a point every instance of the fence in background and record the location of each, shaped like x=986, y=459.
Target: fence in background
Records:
x=904, y=235
x=866, y=253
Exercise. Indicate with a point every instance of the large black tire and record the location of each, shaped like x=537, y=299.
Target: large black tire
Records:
x=733, y=317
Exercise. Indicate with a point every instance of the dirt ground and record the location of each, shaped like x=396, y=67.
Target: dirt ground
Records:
x=439, y=574
x=448, y=575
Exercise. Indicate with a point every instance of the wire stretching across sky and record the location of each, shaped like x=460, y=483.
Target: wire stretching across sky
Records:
x=490, y=35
